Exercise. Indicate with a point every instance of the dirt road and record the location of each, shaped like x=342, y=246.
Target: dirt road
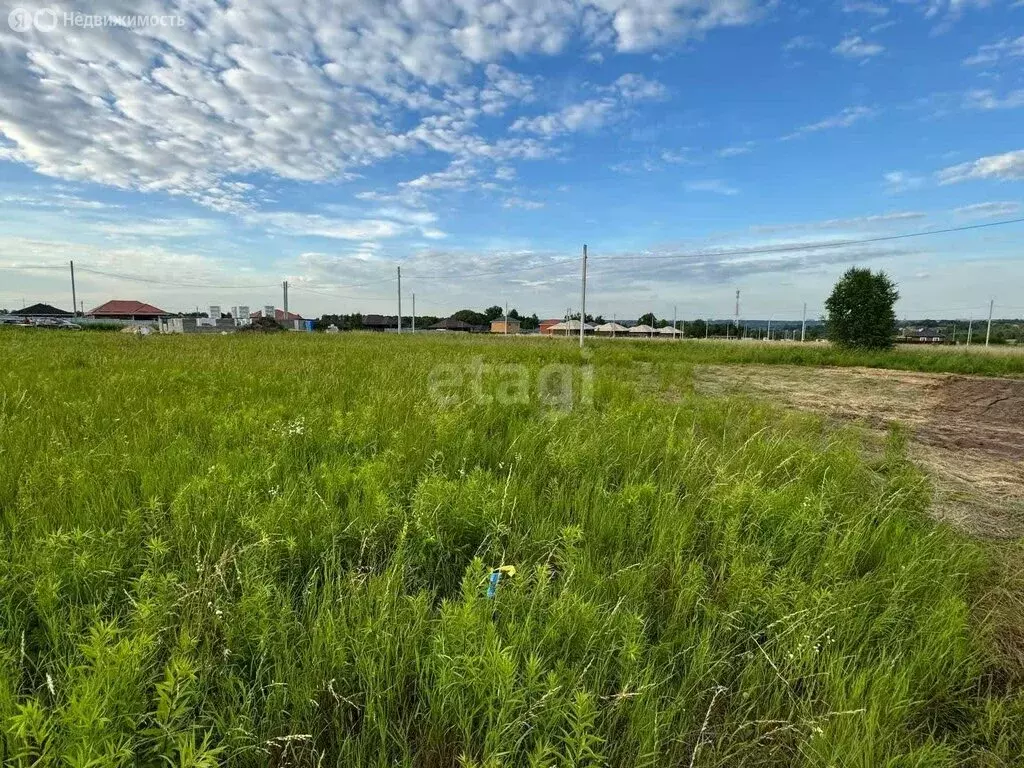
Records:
x=967, y=432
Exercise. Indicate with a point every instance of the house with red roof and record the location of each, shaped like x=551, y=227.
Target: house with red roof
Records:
x=120, y=309
x=279, y=315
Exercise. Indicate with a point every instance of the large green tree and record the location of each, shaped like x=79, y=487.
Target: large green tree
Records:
x=472, y=317
x=860, y=310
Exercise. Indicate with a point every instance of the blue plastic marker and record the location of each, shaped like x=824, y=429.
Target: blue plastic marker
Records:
x=495, y=577
x=492, y=584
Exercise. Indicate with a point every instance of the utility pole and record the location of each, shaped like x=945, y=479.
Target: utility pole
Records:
x=399, y=299
x=737, y=309
x=988, y=333
x=284, y=288
x=705, y=330
x=414, y=313
x=613, y=325
x=675, y=322
x=769, y=329
x=970, y=327
x=583, y=297
x=506, y=318
x=74, y=296
x=803, y=325
x=954, y=334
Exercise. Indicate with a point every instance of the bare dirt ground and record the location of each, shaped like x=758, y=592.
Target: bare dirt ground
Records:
x=967, y=431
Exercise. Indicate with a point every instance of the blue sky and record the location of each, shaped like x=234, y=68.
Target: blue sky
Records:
x=479, y=143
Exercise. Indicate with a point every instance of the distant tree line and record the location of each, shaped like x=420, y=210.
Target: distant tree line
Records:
x=354, y=321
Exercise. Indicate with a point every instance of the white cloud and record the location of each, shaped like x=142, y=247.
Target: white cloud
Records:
x=384, y=223
x=57, y=200
x=901, y=181
x=458, y=175
x=640, y=25
x=1006, y=167
x=737, y=149
x=800, y=43
x=990, y=210
x=633, y=87
x=993, y=53
x=988, y=99
x=716, y=186
x=873, y=9
x=856, y=47
x=881, y=221
x=158, y=228
x=593, y=113
x=585, y=116
x=518, y=202
x=842, y=119
x=675, y=156
x=313, y=93
x=868, y=221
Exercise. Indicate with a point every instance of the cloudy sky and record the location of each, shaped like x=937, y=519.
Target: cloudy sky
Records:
x=697, y=146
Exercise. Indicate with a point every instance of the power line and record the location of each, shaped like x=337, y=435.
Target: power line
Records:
x=549, y=265
x=173, y=283
x=812, y=246
x=334, y=295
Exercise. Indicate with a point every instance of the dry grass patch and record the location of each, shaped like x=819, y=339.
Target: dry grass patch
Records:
x=968, y=432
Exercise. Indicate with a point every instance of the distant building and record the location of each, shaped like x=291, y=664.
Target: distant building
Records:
x=569, y=328
x=546, y=326
x=451, y=324
x=119, y=309
x=278, y=314
x=290, y=321
x=41, y=310
x=379, y=322
x=505, y=325
x=921, y=336
x=200, y=325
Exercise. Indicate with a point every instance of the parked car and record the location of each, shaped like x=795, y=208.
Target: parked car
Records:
x=57, y=323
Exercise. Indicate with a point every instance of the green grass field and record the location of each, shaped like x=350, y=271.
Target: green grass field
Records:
x=275, y=550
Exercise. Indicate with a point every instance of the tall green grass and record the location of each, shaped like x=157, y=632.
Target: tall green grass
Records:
x=274, y=551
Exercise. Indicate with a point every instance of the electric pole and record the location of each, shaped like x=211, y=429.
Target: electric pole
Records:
x=583, y=298
x=506, y=318
x=675, y=322
x=284, y=288
x=970, y=327
x=74, y=296
x=399, y=299
x=988, y=332
x=737, y=308
x=414, y=313
x=803, y=325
